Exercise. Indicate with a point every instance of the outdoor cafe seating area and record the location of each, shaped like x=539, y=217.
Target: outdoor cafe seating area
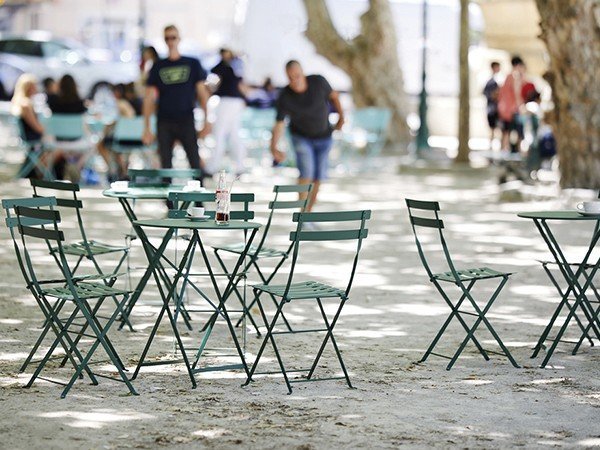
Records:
x=199, y=266
x=78, y=135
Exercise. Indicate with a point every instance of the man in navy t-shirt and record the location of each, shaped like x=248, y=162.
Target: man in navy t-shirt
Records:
x=172, y=88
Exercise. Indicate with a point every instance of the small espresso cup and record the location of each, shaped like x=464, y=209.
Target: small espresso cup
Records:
x=196, y=211
x=194, y=185
x=589, y=207
x=119, y=186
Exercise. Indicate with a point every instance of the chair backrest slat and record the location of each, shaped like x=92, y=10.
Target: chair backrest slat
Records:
x=152, y=176
x=44, y=214
x=287, y=204
x=338, y=235
x=55, y=185
x=420, y=204
x=426, y=222
x=10, y=203
x=292, y=188
x=338, y=216
x=240, y=204
x=41, y=233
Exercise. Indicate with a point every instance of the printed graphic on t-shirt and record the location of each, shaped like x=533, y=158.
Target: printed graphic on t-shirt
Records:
x=174, y=74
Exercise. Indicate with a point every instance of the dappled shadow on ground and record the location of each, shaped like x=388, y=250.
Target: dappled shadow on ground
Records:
x=392, y=315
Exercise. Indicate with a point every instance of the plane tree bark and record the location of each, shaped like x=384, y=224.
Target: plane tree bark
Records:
x=571, y=31
x=370, y=59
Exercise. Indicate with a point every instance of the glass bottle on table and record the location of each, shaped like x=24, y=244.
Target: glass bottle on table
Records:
x=223, y=200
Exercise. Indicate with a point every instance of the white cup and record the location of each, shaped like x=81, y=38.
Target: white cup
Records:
x=196, y=211
x=194, y=185
x=589, y=207
x=119, y=186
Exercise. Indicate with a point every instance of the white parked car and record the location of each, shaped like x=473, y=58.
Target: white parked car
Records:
x=44, y=56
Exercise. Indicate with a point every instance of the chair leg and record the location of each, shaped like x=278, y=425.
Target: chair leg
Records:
x=100, y=340
x=483, y=319
x=234, y=283
x=55, y=324
x=268, y=337
x=328, y=336
x=63, y=332
x=455, y=312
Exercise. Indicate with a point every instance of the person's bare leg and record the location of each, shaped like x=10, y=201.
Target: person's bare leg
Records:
x=313, y=195
x=302, y=195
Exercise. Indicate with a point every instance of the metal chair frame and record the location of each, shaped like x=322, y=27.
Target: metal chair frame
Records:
x=35, y=219
x=260, y=251
x=311, y=290
x=463, y=279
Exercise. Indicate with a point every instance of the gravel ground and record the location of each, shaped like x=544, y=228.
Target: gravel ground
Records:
x=392, y=315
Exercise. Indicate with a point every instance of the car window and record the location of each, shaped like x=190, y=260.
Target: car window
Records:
x=54, y=50
x=21, y=47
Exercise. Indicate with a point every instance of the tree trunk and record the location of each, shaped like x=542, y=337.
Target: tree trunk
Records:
x=370, y=59
x=464, y=108
x=571, y=31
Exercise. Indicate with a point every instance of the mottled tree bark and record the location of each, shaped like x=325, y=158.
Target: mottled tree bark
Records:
x=571, y=31
x=370, y=59
x=464, y=108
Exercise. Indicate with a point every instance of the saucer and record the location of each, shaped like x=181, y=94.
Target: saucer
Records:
x=203, y=218
x=120, y=191
x=589, y=214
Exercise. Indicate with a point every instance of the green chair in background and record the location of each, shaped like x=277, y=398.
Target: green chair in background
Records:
x=127, y=138
x=311, y=290
x=83, y=248
x=240, y=210
x=76, y=310
x=463, y=279
x=161, y=177
x=260, y=251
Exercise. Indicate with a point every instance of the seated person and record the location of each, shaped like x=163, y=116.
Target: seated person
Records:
x=124, y=109
x=67, y=101
x=22, y=107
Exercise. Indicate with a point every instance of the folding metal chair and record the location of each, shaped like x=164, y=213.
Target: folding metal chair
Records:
x=83, y=249
x=463, y=279
x=127, y=138
x=314, y=291
x=261, y=251
x=240, y=210
x=76, y=313
x=33, y=153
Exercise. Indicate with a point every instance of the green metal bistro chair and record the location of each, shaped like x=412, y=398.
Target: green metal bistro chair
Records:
x=127, y=138
x=161, y=177
x=67, y=200
x=84, y=248
x=261, y=251
x=76, y=310
x=463, y=279
x=34, y=151
x=314, y=291
x=240, y=210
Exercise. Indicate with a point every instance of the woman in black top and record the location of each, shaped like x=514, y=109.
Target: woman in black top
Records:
x=67, y=101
